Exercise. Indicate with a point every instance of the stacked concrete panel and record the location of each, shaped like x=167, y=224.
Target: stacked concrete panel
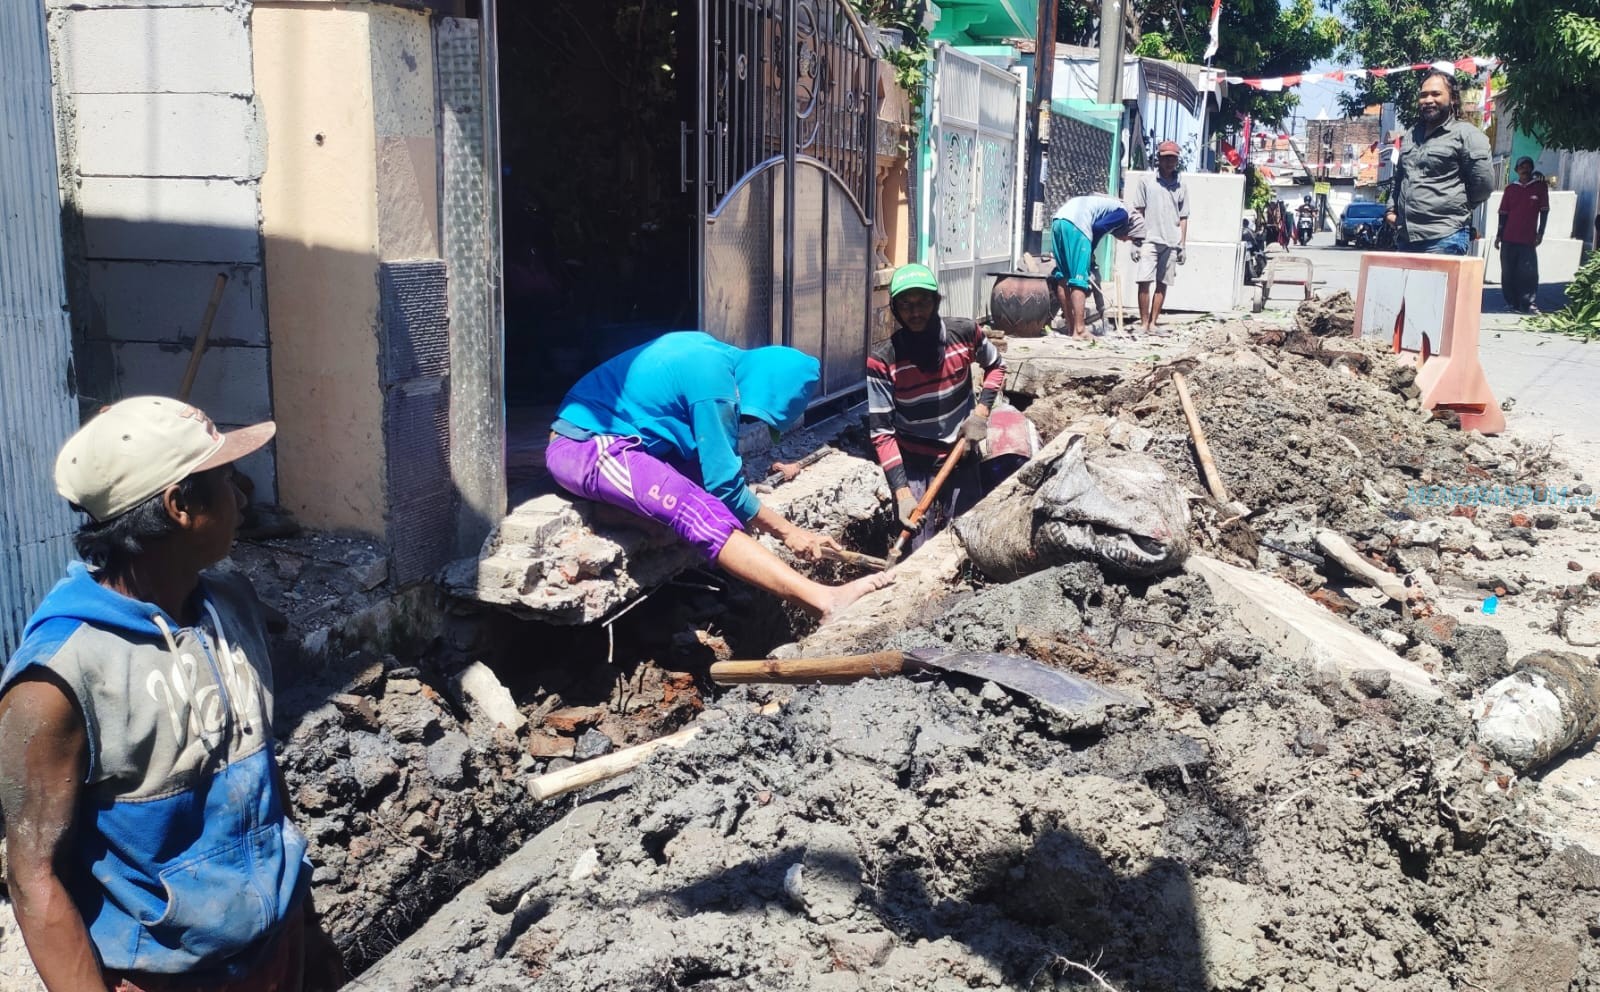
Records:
x=1559, y=254
x=164, y=150
x=1212, y=277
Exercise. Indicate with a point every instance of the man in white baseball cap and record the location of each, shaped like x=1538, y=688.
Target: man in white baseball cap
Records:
x=148, y=840
x=134, y=449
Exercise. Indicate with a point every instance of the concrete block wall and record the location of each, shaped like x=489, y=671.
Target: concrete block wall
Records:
x=1216, y=203
x=163, y=147
x=1559, y=254
x=1210, y=280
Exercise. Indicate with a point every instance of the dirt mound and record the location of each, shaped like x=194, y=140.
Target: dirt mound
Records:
x=1256, y=828
x=1250, y=831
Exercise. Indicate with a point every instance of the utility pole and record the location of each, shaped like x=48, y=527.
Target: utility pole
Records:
x=1044, y=64
x=1110, y=82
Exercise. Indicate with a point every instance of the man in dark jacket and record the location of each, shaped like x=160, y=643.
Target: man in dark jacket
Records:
x=1444, y=170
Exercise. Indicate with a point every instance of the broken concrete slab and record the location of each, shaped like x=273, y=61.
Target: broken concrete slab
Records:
x=926, y=576
x=1042, y=375
x=1299, y=629
x=1580, y=625
x=486, y=699
x=488, y=915
x=570, y=561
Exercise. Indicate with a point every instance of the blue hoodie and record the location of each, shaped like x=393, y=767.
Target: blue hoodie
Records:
x=183, y=858
x=682, y=395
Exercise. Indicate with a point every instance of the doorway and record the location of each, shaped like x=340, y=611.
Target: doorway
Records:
x=598, y=227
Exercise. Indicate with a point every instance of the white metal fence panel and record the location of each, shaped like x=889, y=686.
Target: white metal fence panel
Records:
x=972, y=187
x=37, y=407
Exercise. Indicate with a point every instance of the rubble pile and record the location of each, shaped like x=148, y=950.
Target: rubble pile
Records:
x=1251, y=831
x=1330, y=782
x=1269, y=822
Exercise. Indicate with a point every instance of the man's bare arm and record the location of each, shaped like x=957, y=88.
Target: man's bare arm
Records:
x=44, y=753
x=807, y=544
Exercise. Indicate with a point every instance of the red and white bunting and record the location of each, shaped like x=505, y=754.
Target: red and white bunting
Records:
x=1276, y=84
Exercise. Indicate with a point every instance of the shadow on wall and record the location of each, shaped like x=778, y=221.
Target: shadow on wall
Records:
x=355, y=370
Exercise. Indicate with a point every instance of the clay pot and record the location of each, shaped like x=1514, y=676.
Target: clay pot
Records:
x=1021, y=304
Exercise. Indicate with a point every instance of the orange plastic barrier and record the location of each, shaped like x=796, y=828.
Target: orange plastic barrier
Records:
x=1428, y=307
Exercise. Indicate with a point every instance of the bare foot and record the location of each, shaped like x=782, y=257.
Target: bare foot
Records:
x=1083, y=335
x=842, y=596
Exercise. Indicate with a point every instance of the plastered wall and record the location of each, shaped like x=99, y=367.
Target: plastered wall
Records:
x=320, y=224
x=348, y=91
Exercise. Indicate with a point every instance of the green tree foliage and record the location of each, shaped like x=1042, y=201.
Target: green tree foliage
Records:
x=911, y=59
x=1388, y=33
x=1551, y=53
x=1256, y=38
x=1581, y=317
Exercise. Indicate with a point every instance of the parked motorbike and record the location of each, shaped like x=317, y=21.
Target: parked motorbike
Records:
x=1365, y=239
x=1255, y=253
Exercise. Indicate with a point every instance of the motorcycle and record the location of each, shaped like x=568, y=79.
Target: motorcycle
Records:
x=1255, y=254
x=1302, y=230
x=1365, y=238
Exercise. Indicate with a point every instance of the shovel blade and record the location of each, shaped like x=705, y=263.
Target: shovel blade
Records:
x=1062, y=690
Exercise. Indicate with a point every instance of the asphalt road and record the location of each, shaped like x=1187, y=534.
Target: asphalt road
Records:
x=1549, y=380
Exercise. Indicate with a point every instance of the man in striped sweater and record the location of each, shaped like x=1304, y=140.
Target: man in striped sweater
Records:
x=920, y=400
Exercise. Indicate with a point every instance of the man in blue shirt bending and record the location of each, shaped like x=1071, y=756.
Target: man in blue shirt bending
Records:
x=1076, y=232
x=631, y=429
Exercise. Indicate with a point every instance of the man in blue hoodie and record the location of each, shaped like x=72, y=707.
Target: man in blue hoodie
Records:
x=628, y=432
x=148, y=845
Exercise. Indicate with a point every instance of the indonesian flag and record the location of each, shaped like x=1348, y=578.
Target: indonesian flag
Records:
x=1488, y=101
x=1216, y=15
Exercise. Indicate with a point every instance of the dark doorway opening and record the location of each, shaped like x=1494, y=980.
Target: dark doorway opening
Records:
x=599, y=224
x=599, y=227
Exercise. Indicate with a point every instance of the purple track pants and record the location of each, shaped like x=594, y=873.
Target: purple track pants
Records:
x=617, y=470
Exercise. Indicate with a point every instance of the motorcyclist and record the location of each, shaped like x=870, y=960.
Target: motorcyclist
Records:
x=1306, y=218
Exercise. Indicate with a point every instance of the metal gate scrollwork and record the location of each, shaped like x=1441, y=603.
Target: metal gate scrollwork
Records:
x=783, y=158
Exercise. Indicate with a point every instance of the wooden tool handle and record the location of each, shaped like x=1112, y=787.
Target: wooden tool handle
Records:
x=1201, y=448
x=607, y=766
x=849, y=668
x=854, y=558
x=929, y=496
x=202, y=336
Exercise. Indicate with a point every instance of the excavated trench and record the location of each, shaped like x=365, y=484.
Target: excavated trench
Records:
x=406, y=798
x=1261, y=825
x=1256, y=827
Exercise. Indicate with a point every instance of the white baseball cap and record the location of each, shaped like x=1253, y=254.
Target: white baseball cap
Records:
x=136, y=448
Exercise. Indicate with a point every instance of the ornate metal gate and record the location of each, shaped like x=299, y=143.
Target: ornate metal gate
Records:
x=972, y=187
x=783, y=159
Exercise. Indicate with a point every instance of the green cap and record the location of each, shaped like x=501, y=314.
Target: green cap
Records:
x=913, y=276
